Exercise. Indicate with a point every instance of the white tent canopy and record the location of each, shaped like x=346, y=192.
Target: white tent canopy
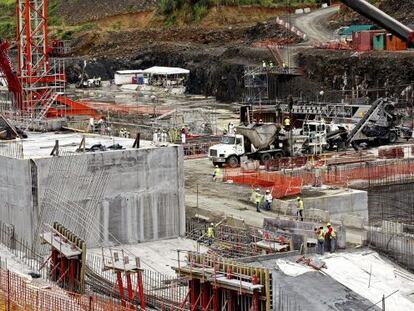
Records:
x=157, y=70
x=128, y=72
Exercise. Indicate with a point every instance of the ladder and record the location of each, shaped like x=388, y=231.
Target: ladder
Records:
x=49, y=102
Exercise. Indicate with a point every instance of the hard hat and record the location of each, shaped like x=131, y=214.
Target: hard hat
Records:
x=212, y=224
x=298, y=198
x=217, y=166
x=267, y=191
x=257, y=189
x=328, y=224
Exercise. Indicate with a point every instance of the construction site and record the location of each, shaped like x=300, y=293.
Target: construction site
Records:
x=201, y=155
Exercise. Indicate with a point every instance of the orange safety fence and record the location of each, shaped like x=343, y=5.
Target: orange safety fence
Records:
x=370, y=172
x=290, y=183
x=17, y=293
x=279, y=184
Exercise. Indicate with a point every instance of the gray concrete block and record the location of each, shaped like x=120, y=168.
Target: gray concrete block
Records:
x=353, y=221
x=143, y=199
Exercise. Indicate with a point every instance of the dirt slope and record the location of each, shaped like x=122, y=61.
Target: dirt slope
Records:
x=80, y=11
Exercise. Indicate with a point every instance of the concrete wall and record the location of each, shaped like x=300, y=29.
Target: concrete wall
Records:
x=16, y=200
x=338, y=204
x=142, y=194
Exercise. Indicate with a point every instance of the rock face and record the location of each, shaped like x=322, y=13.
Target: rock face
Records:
x=378, y=70
x=79, y=11
x=400, y=10
x=209, y=74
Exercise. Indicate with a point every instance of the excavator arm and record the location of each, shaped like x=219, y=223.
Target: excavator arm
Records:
x=381, y=18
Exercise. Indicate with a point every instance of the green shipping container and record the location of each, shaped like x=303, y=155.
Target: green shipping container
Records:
x=378, y=41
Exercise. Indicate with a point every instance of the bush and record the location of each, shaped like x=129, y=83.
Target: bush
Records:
x=200, y=10
x=7, y=29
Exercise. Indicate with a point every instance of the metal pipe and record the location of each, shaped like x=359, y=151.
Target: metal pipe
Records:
x=381, y=18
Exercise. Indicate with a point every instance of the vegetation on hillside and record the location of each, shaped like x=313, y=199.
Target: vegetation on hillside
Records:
x=8, y=17
x=195, y=10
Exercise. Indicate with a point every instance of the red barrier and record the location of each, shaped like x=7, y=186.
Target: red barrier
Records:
x=17, y=293
x=280, y=185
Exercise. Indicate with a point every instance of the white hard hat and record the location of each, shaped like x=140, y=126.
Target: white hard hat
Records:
x=257, y=189
x=267, y=191
x=216, y=165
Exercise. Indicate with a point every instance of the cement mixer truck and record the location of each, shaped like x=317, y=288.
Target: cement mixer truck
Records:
x=266, y=141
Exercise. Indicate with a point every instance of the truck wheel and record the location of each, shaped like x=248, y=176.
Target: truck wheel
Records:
x=278, y=155
x=392, y=137
x=265, y=157
x=233, y=161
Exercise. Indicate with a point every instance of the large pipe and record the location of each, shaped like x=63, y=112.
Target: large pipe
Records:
x=382, y=19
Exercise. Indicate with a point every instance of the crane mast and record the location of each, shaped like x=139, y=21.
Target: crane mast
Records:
x=42, y=81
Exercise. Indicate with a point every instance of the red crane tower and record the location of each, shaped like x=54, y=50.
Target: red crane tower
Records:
x=40, y=91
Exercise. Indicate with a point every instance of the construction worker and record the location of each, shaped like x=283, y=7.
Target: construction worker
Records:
x=164, y=136
x=331, y=237
x=257, y=199
x=263, y=64
x=210, y=234
x=285, y=68
x=231, y=128
x=286, y=124
x=217, y=175
x=268, y=200
x=300, y=208
x=320, y=236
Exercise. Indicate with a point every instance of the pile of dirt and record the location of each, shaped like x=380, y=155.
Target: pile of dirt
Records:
x=80, y=11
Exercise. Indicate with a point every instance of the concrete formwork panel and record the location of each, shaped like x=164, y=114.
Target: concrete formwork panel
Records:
x=17, y=206
x=143, y=197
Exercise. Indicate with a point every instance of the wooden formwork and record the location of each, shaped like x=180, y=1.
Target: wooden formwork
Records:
x=216, y=283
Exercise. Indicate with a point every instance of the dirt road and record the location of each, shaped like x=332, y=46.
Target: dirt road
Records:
x=314, y=24
x=205, y=197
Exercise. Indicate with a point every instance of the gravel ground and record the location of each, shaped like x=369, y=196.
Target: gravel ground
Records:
x=217, y=198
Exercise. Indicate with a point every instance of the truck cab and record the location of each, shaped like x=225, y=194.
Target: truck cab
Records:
x=229, y=151
x=316, y=131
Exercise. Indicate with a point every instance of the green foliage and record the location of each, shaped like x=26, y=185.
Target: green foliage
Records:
x=8, y=17
x=116, y=26
x=54, y=18
x=7, y=29
x=195, y=10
